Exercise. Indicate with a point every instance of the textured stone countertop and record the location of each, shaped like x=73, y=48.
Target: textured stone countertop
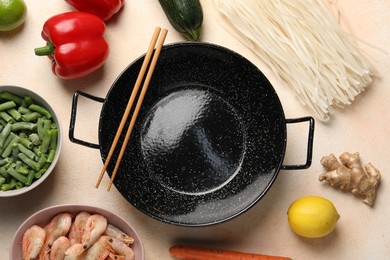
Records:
x=362, y=231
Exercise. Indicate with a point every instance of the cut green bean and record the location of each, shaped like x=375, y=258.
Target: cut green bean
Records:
x=11, y=97
x=43, y=125
x=37, y=151
x=41, y=161
x=33, y=164
x=9, y=186
x=8, y=150
x=22, y=170
x=24, y=110
x=3, y=170
x=40, y=128
x=9, y=139
x=15, y=114
x=7, y=105
x=18, y=126
x=18, y=164
x=26, y=142
x=33, y=116
x=34, y=138
x=4, y=134
x=46, y=142
x=12, y=171
x=5, y=161
x=19, y=185
x=30, y=177
x=7, y=118
x=40, y=172
x=51, y=156
x=54, y=137
x=3, y=122
x=28, y=100
x=2, y=180
x=43, y=111
x=27, y=152
x=46, y=125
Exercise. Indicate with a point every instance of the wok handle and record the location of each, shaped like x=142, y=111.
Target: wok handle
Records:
x=73, y=118
x=309, y=143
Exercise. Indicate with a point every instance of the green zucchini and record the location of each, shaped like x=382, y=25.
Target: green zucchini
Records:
x=186, y=16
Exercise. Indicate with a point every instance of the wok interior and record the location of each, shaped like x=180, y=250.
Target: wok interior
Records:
x=209, y=139
x=193, y=141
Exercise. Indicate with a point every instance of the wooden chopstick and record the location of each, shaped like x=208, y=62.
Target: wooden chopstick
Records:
x=139, y=103
x=131, y=101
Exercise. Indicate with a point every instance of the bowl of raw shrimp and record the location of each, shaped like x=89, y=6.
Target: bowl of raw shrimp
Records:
x=78, y=231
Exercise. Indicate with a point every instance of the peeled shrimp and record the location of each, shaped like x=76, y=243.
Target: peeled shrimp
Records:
x=74, y=252
x=60, y=245
x=78, y=227
x=95, y=227
x=120, y=250
x=115, y=232
x=100, y=250
x=32, y=242
x=58, y=226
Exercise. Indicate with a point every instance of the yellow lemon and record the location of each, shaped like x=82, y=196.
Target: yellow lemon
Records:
x=312, y=216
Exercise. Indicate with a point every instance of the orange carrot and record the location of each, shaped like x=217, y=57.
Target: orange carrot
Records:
x=200, y=253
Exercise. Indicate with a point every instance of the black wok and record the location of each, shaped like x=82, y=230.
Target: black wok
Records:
x=209, y=141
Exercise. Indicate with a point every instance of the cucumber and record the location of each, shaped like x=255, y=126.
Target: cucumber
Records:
x=186, y=16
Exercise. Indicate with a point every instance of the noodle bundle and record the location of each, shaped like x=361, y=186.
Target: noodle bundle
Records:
x=304, y=45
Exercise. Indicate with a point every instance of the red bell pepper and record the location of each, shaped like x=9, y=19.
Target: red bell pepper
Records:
x=75, y=43
x=105, y=9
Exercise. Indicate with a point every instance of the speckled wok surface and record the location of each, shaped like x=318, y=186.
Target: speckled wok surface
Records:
x=208, y=142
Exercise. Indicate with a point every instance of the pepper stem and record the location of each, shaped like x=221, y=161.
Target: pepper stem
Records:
x=45, y=50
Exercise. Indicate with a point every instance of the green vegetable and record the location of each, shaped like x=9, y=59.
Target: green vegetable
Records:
x=4, y=134
x=7, y=118
x=14, y=113
x=34, y=138
x=43, y=111
x=10, y=185
x=17, y=126
x=30, y=116
x=12, y=171
x=8, y=149
x=46, y=141
x=12, y=14
x=11, y=97
x=29, y=153
x=28, y=141
x=24, y=141
x=186, y=16
x=7, y=105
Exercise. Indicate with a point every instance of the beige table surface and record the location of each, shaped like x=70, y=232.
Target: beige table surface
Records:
x=362, y=232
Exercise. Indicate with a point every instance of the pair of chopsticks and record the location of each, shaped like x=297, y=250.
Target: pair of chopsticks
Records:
x=137, y=84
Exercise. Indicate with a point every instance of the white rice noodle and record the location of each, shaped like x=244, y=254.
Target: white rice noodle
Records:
x=304, y=45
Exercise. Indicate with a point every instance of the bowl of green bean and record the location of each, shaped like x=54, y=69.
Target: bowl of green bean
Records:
x=30, y=140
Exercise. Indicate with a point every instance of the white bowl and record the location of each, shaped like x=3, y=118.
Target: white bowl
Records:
x=43, y=217
x=42, y=102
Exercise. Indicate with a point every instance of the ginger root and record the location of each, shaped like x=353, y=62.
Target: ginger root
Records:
x=349, y=174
